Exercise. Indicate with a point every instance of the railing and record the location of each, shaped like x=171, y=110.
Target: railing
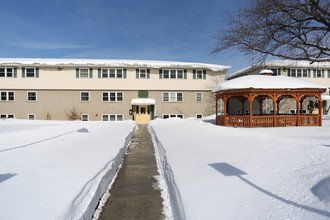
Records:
x=268, y=121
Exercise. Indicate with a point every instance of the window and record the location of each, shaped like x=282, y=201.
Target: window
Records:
x=7, y=72
x=84, y=96
x=7, y=96
x=199, y=97
x=32, y=96
x=113, y=73
x=112, y=96
x=143, y=73
x=172, y=96
x=199, y=74
x=5, y=116
x=247, y=111
x=199, y=116
x=293, y=111
x=84, y=73
x=112, y=117
x=276, y=71
x=318, y=74
x=173, y=74
x=238, y=111
x=31, y=116
x=166, y=116
x=299, y=73
x=30, y=72
x=84, y=117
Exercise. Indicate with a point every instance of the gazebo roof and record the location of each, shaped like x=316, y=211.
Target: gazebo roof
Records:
x=266, y=82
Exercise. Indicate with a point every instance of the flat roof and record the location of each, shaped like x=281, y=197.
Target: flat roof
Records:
x=280, y=63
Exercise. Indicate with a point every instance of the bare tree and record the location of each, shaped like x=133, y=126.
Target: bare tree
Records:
x=290, y=29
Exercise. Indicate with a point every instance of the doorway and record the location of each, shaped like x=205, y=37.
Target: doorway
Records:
x=143, y=114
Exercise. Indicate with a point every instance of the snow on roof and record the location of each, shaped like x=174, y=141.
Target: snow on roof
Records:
x=266, y=71
x=266, y=82
x=280, y=63
x=143, y=101
x=110, y=63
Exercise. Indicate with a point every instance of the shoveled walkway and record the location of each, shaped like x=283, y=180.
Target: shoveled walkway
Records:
x=133, y=195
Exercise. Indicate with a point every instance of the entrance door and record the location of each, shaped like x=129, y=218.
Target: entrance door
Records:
x=142, y=114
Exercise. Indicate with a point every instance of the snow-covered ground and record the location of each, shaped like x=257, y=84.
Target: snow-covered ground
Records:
x=216, y=172
x=58, y=170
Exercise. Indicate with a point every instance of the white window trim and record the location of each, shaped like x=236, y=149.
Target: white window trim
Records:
x=34, y=117
x=88, y=73
x=146, y=74
x=27, y=96
x=7, y=116
x=294, y=110
x=176, y=116
x=7, y=96
x=176, y=96
x=202, y=74
x=296, y=72
x=6, y=75
x=116, y=96
x=116, y=117
x=89, y=98
x=316, y=70
x=176, y=73
x=81, y=117
x=196, y=97
x=116, y=73
x=199, y=114
x=34, y=72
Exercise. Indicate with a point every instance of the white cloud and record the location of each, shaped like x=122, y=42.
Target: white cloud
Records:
x=45, y=45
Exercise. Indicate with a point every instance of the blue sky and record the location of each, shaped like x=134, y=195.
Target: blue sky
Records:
x=175, y=30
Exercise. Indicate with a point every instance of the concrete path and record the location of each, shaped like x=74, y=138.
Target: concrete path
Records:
x=133, y=195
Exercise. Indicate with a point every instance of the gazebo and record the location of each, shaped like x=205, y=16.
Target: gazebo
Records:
x=258, y=101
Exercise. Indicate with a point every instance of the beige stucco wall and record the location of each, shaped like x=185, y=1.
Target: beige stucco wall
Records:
x=51, y=78
x=56, y=104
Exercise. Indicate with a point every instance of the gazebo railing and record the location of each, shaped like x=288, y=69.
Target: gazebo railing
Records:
x=268, y=120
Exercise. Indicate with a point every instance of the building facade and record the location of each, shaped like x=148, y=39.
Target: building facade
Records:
x=108, y=90
x=312, y=72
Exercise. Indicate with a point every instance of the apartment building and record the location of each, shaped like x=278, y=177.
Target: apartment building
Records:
x=108, y=90
x=313, y=72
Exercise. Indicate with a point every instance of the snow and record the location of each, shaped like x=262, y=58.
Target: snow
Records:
x=109, y=63
x=281, y=63
x=266, y=71
x=58, y=170
x=143, y=101
x=216, y=172
x=266, y=82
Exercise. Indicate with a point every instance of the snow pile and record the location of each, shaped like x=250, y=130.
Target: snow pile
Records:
x=109, y=63
x=56, y=169
x=241, y=173
x=173, y=207
x=266, y=82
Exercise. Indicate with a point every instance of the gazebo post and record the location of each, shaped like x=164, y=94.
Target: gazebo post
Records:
x=274, y=109
x=320, y=110
x=225, y=109
x=250, y=100
x=297, y=98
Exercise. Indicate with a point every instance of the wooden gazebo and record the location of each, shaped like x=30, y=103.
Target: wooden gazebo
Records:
x=240, y=102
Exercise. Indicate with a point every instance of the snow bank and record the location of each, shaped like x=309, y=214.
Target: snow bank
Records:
x=173, y=207
x=58, y=170
x=110, y=63
x=242, y=173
